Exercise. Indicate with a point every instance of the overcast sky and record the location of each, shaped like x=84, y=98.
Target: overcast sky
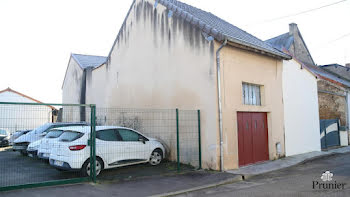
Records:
x=37, y=36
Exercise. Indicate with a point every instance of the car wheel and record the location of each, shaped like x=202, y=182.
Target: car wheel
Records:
x=156, y=157
x=23, y=153
x=85, y=170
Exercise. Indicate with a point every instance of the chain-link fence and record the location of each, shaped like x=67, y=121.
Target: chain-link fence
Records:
x=38, y=150
x=49, y=145
x=156, y=140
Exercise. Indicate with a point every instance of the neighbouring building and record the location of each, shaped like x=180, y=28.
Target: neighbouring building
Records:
x=74, y=85
x=19, y=117
x=168, y=54
x=332, y=90
x=300, y=97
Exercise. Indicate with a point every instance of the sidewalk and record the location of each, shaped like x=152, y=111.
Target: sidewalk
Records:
x=268, y=166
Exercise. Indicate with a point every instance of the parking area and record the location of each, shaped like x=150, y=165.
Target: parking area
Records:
x=16, y=169
x=124, y=143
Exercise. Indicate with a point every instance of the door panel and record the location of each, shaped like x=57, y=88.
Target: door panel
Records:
x=109, y=146
x=260, y=142
x=133, y=148
x=252, y=137
x=240, y=139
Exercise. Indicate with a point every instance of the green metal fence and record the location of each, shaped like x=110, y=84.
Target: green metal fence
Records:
x=177, y=130
x=114, y=143
x=24, y=124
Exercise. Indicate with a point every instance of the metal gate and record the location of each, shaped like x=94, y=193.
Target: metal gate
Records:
x=329, y=130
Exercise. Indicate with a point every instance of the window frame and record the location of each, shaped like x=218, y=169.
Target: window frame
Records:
x=254, y=91
x=139, y=135
x=119, y=138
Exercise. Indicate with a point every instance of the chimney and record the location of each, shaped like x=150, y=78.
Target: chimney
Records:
x=293, y=28
x=347, y=65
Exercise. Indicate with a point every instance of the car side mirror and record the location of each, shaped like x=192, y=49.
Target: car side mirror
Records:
x=141, y=139
x=43, y=134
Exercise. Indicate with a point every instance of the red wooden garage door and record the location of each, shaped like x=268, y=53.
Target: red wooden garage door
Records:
x=252, y=137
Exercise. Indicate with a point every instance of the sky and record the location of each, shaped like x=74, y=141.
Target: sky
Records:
x=38, y=36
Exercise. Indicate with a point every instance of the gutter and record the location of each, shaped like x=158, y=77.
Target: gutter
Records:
x=281, y=54
x=218, y=77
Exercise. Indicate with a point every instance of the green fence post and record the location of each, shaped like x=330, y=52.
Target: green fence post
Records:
x=93, y=144
x=177, y=140
x=199, y=140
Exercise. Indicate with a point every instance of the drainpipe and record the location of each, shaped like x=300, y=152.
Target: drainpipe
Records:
x=347, y=110
x=218, y=76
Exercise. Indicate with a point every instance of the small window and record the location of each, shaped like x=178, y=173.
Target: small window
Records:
x=128, y=135
x=108, y=135
x=251, y=94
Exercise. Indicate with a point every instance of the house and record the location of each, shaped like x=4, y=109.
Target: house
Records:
x=74, y=84
x=12, y=116
x=300, y=96
x=332, y=90
x=170, y=55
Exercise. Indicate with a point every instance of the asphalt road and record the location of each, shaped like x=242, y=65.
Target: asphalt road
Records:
x=16, y=169
x=301, y=180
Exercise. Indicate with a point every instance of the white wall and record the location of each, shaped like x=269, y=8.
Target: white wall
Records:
x=160, y=63
x=71, y=91
x=301, y=116
x=20, y=117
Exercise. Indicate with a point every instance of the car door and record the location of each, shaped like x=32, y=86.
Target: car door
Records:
x=108, y=146
x=135, y=146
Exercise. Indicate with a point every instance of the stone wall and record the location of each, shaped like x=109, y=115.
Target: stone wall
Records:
x=331, y=106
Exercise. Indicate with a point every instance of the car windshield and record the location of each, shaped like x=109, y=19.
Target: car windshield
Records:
x=54, y=134
x=3, y=132
x=42, y=128
x=70, y=136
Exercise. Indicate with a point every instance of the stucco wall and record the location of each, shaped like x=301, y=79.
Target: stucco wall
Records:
x=242, y=66
x=71, y=91
x=332, y=106
x=72, y=83
x=160, y=62
x=301, y=117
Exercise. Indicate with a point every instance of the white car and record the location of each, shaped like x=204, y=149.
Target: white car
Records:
x=4, y=138
x=22, y=142
x=115, y=147
x=17, y=134
x=50, y=141
x=33, y=147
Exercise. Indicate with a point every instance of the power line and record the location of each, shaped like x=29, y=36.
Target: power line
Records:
x=341, y=37
x=302, y=12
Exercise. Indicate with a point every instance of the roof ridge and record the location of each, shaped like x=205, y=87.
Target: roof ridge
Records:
x=23, y=95
x=276, y=36
x=217, y=31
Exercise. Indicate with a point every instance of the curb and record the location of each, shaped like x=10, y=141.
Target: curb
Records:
x=228, y=181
